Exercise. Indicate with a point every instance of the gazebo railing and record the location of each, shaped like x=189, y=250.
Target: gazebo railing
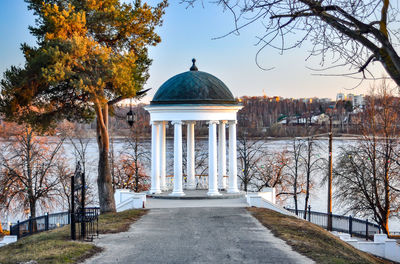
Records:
x=201, y=181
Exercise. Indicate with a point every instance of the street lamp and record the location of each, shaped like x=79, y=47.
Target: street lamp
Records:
x=330, y=176
x=130, y=116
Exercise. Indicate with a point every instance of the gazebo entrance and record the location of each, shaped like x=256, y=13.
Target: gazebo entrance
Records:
x=182, y=100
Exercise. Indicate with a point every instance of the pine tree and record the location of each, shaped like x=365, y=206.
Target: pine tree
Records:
x=91, y=54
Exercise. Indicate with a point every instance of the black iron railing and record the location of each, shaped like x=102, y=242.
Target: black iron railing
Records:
x=86, y=218
x=39, y=224
x=87, y=221
x=341, y=223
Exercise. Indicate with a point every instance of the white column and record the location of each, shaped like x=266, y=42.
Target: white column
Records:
x=178, y=190
x=163, y=161
x=221, y=155
x=212, y=159
x=155, y=158
x=232, y=158
x=190, y=162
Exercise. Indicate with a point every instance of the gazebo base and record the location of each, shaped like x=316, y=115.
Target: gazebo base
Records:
x=197, y=195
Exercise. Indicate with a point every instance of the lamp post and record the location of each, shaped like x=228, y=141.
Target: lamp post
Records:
x=130, y=116
x=330, y=177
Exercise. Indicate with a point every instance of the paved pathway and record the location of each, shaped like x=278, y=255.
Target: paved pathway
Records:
x=196, y=235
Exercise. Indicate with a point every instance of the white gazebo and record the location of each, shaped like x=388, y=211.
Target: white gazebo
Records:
x=182, y=100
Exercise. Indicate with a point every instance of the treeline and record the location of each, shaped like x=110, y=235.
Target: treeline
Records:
x=260, y=117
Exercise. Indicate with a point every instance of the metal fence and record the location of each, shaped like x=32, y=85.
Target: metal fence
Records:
x=86, y=224
x=341, y=223
x=40, y=224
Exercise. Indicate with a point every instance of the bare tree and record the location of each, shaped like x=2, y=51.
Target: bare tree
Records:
x=27, y=174
x=130, y=174
x=295, y=170
x=312, y=163
x=367, y=174
x=250, y=155
x=64, y=173
x=201, y=160
x=356, y=32
x=272, y=172
x=200, y=163
x=79, y=138
x=129, y=165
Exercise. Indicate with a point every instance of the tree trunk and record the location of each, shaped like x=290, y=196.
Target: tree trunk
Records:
x=104, y=183
x=306, y=199
x=32, y=207
x=295, y=195
x=385, y=223
x=309, y=152
x=136, y=178
x=391, y=62
x=136, y=165
x=296, y=152
x=112, y=164
x=104, y=179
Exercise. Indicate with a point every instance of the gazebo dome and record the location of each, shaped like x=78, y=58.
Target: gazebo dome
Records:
x=193, y=87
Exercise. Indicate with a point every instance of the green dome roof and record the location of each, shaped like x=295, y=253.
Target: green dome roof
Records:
x=193, y=87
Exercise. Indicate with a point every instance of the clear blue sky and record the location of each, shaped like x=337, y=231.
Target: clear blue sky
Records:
x=188, y=33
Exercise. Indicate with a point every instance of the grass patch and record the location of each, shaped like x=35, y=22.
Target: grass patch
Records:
x=47, y=247
x=110, y=223
x=311, y=240
x=56, y=247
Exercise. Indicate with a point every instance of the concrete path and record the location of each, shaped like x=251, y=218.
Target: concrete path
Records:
x=196, y=235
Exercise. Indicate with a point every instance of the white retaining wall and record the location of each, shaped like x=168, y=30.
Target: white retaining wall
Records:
x=126, y=199
x=266, y=199
x=8, y=240
x=381, y=246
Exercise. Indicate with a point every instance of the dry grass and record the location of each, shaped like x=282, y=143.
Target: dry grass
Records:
x=56, y=247
x=47, y=247
x=311, y=240
x=119, y=222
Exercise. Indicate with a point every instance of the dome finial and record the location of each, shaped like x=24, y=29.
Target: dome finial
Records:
x=194, y=68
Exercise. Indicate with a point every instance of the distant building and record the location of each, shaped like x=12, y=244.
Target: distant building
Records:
x=340, y=97
x=358, y=101
x=325, y=100
x=274, y=99
x=350, y=97
x=307, y=100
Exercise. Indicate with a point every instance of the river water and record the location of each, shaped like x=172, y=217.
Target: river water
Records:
x=318, y=197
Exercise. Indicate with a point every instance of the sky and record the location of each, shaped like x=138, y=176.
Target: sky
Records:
x=189, y=33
